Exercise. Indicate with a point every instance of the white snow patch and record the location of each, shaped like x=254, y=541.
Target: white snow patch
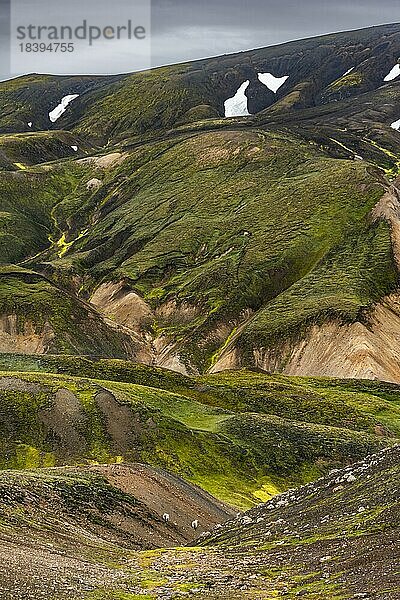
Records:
x=30, y=124
x=74, y=148
x=395, y=125
x=395, y=72
x=59, y=110
x=237, y=105
x=273, y=83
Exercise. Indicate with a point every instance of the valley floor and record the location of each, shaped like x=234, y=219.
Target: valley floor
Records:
x=333, y=568
x=333, y=539
x=209, y=574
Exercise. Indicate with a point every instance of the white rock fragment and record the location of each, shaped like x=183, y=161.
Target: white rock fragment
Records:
x=273, y=83
x=60, y=109
x=205, y=534
x=325, y=559
x=395, y=72
x=74, y=148
x=282, y=504
x=237, y=105
x=30, y=124
x=93, y=184
x=338, y=488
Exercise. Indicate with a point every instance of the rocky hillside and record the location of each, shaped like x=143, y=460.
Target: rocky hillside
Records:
x=338, y=538
x=331, y=539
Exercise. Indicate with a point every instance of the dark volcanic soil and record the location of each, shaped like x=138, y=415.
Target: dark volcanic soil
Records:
x=337, y=538
x=61, y=528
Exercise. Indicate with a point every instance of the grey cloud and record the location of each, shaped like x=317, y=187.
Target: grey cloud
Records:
x=234, y=25
x=189, y=29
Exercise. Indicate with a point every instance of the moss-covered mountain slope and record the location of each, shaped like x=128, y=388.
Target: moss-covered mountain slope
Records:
x=241, y=436
x=191, y=242
x=187, y=241
x=216, y=298
x=117, y=107
x=201, y=243
x=38, y=316
x=27, y=101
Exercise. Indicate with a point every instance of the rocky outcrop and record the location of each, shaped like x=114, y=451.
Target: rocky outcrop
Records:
x=120, y=304
x=358, y=350
x=26, y=338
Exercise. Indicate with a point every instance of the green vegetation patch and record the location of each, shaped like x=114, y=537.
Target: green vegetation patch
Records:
x=227, y=433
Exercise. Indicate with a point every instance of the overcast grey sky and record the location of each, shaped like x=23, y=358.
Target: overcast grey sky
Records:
x=184, y=29
x=189, y=29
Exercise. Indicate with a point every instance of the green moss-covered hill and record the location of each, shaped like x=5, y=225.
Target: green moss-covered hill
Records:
x=163, y=270
x=29, y=99
x=200, y=243
x=39, y=316
x=212, y=233
x=159, y=230
x=112, y=108
x=242, y=436
x=226, y=230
